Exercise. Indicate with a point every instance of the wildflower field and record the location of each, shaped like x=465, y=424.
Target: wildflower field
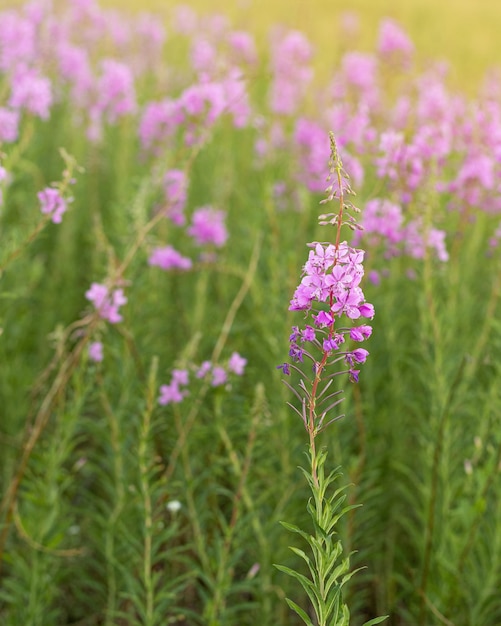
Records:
x=213, y=248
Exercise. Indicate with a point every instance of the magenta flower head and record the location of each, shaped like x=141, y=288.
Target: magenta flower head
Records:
x=331, y=297
x=9, y=125
x=95, y=351
x=236, y=364
x=31, y=92
x=394, y=42
x=168, y=258
x=106, y=302
x=52, y=203
x=176, y=192
x=207, y=227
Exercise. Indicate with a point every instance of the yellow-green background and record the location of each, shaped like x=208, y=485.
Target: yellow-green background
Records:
x=467, y=32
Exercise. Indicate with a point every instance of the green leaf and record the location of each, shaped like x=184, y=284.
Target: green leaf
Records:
x=376, y=620
x=302, y=614
x=308, y=586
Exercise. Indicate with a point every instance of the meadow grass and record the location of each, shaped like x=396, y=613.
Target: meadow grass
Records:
x=130, y=496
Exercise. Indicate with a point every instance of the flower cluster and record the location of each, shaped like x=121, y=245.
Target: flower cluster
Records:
x=176, y=390
x=331, y=295
x=106, y=301
x=330, y=289
x=52, y=203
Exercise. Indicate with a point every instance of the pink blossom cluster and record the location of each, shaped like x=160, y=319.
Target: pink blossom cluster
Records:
x=52, y=203
x=330, y=289
x=106, y=301
x=292, y=72
x=168, y=258
x=194, y=112
x=207, y=228
x=383, y=226
x=176, y=390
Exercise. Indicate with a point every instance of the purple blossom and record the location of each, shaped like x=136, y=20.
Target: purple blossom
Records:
x=168, y=258
x=203, y=369
x=52, y=203
x=9, y=125
x=18, y=44
x=158, y=124
x=207, y=227
x=296, y=353
x=323, y=319
x=176, y=192
x=95, y=351
x=115, y=89
x=285, y=368
x=75, y=67
x=32, y=92
x=308, y=334
x=357, y=356
x=106, y=303
x=330, y=344
x=219, y=376
x=181, y=377
x=394, y=43
x=292, y=72
x=236, y=364
x=171, y=394
x=360, y=333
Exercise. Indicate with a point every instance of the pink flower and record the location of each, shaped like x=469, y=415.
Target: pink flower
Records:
x=95, y=351
x=176, y=192
x=237, y=364
x=292, y=73
x=203, y=369
x=31, y=91
x=207, y=227
x=52, y=203
x=394, y=42
x=9, y=125
x=106, y=303
x=168, y=258
x=219, y=376
x=171, y=394
x=17, y=40
x=115, y=87
x=159, y=123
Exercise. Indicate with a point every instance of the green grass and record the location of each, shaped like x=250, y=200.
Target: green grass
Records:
x=92, y=462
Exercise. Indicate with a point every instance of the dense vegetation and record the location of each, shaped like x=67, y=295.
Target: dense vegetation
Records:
x=157, y=198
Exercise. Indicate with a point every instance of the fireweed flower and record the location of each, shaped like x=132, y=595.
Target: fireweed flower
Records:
x=176, y=193
x=330, y=294
x=52, y=203
x=32, y=92
x=236, y=364
x=219, y=376
x=216, y=375
x=394, y=44
x=168, y=258
x=106, y=302
x=9, y=125
x=207, y=227
x=95, y=351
